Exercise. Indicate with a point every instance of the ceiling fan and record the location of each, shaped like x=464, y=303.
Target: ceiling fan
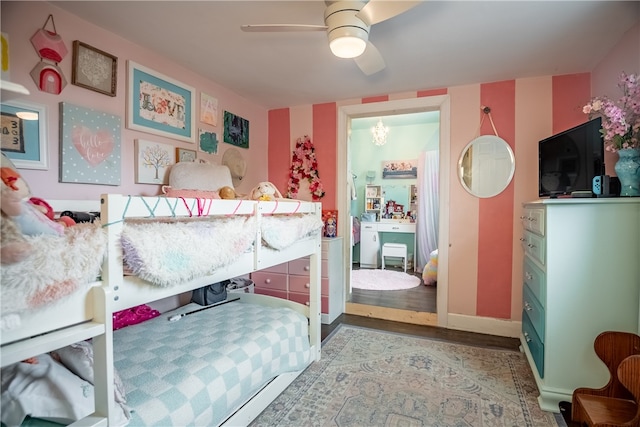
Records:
x=347, y=24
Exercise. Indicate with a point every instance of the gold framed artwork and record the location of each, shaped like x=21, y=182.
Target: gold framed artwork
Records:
x=184, y=155
x=94, y=69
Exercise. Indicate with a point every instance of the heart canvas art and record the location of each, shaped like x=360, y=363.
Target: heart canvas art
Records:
x=90, y=146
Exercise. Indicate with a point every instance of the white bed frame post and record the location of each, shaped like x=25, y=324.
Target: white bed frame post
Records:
x=112, y=272
x=315, y=263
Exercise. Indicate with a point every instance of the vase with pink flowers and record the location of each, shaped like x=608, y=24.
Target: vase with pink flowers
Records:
x=621, y=131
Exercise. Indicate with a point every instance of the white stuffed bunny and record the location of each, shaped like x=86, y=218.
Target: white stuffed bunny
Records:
x=265, y=191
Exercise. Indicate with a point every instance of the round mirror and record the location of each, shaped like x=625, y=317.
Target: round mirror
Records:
x=486, y=166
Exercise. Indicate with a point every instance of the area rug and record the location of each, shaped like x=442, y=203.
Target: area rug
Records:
x=373, y=378
x=383, y=280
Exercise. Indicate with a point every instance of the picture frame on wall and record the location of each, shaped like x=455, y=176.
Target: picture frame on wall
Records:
x=159, y=105
x=401, y=169
x=236, y=130
x=24, y=134
x=90, y=146
x=153, y=162
x=208, y=109
x=185, y=155
x=207, y=142
x=94, y=69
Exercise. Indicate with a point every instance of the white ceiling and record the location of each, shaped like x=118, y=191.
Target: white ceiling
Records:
x=434, y=45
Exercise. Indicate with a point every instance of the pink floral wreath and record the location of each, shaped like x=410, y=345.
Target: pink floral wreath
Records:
x=304, y=166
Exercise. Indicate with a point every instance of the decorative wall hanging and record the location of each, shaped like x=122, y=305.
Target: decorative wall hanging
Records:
x=24, y=141
x=236, y=130
x=49, y=45
x=184, y=155
x=94, y=69
x=160, y=105
x=304, y=166
x=90, y=146
x=400, y=169
x=208, y=142
x=208, y=109
x=153, y=162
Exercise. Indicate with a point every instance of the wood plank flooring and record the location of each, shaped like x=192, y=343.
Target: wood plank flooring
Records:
x=421, y=298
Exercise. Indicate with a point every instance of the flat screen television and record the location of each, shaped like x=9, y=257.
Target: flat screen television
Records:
x=568, y=161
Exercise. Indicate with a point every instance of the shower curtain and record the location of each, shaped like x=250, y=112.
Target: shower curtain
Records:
x=428, y=206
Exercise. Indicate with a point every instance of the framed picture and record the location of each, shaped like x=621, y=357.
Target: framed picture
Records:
x=400, y=169
x=159, y=105
x=208, y=109
x=236, y=130
x=89, y=145
x=184, y=155
x=207, y=141
x=94, y=69
x=153, y=161
x=24, y=134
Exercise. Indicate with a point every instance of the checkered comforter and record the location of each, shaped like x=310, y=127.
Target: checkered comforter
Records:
x=199, y=369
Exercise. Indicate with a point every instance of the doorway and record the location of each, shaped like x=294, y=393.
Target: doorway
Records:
x=397, y=107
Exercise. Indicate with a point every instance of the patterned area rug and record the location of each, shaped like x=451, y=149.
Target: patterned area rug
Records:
x=374, y=378
x=383, y=280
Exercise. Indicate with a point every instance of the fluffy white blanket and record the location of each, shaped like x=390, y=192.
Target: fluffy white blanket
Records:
x=281, y=231
x=166, y=254
x=57, y=267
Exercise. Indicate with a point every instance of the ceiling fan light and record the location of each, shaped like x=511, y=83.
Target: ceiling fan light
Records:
x=348, y=42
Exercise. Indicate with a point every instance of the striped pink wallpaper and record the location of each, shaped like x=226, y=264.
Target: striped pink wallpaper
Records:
x=484, y=275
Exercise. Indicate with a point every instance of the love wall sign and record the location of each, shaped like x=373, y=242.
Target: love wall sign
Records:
x=90, y=144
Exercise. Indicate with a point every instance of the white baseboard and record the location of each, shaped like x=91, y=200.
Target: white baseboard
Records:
x=484, y=325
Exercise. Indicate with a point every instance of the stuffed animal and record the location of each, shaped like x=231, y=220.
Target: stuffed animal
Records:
x=16, y=205
x=265, y=191
x=227, y=192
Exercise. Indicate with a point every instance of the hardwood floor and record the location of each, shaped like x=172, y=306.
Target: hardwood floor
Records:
x=462, y=337
x=421, y=298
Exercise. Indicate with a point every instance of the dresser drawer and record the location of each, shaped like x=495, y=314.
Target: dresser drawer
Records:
x=301, y=284
x=304, y=299
x=302, y=266
x=534, y=310
x=268, y=280
x=536, y=347
x=280, y=268
x=534, y=245
x=535, y=279
x=533, y=220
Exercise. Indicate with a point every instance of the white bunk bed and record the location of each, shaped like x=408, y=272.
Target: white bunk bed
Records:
x=88, y=312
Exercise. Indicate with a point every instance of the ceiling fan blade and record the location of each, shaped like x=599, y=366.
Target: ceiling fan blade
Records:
x=380, y=10
x=370, y=62
x=273, y=28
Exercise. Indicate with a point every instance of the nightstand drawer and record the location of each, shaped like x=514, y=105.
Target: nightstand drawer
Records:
x=535, y=279
x=531, y=306
x=536, y=347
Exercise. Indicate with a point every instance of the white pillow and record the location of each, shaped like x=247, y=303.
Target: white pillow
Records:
x=78, y=358
x=44, y=390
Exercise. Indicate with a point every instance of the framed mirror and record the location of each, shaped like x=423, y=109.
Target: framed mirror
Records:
x=486, y=166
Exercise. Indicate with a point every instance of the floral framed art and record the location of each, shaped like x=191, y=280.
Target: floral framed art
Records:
x=94, y=69
x=153, y=161
x=24, y=134
x=159, y=105
x=90, y=146
x=184, y=155
x=236, y=130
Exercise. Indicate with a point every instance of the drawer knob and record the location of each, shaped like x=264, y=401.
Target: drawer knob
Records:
x=307, y=285
x=307, y=268
x=522, y=239
x=531, y=245
x=526, y=337
x=528, y=275
x=267, y=281
x=307, y=303
x=527, y=306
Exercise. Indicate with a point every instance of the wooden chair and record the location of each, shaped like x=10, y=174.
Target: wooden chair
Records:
x=615, y=400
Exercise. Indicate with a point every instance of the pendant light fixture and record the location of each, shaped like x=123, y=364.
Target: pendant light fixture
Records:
x=380, y=132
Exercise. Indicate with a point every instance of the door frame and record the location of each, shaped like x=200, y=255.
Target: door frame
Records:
x=439, y=103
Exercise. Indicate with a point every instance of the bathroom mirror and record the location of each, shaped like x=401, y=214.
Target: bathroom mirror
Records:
x=486, y=166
